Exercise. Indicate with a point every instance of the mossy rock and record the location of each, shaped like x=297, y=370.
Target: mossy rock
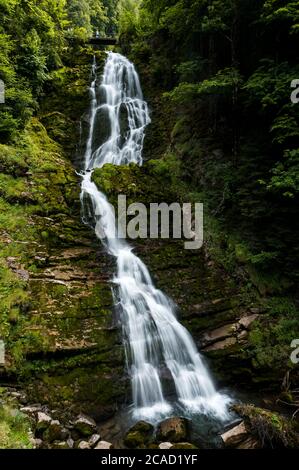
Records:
x=139, y=435
x=272, y=429
x=173, y=430
x=144, y=184
x=183, y=445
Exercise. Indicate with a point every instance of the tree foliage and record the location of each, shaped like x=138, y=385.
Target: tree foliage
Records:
x=226, y=66
x=34, y=37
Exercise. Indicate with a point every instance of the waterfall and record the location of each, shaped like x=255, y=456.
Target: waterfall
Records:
x=153, y=337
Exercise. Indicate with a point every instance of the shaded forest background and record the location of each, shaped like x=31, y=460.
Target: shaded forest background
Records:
x=225, y=68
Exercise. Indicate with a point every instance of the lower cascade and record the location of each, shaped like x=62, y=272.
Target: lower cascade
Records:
x=153, y=337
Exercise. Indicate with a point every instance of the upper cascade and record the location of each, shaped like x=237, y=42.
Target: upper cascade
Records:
x=125, y=112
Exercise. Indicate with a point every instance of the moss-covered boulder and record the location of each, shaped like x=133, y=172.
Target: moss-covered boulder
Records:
x=85, y=425
x=55, y=432
x=173, y=430
x=270, y=428
x=139, y=436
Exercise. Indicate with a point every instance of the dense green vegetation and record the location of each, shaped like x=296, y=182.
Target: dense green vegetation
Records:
x=36, y=39
x=225, y=68
x=14, y=429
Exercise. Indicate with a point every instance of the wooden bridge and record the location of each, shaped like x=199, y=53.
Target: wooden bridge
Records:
x=98, y=41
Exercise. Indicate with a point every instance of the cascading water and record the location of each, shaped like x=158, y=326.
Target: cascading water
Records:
x=153, y=336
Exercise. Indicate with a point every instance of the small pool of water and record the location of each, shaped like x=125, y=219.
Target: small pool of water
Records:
x=205, y=429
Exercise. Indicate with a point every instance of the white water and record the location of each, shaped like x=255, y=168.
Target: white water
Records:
x=153, y=337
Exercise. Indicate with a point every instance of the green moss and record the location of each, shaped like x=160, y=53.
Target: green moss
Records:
x=272, y=429
x=271, y=337
x=90, y=386
x=139, y=436
x=184, y=445
x=13, y=189
x=150, y=183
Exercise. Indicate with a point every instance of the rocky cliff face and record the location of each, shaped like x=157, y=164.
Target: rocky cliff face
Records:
x=56, y=302
x=211, y=303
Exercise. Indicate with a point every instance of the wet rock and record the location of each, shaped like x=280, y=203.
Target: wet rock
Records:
x=102, y=445
x=94, y=439
x=85, y=425
x=165, y=445
x=219, y=334
x=83, y=445
x=220, y=345
x=173, y=429
x=134, y=440
x=139, y=435
x=235, y=436
x=55, y=432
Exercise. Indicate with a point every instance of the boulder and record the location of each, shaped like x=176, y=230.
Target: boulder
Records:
x=165, y=445
x=139, y=435
x=85, y=425
x=221, y=345
x=94, y=439
x=55, y=432
x=83, y=445
x=235, y=436
x=173, y=429
x=102, y=445
x=218, y=334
